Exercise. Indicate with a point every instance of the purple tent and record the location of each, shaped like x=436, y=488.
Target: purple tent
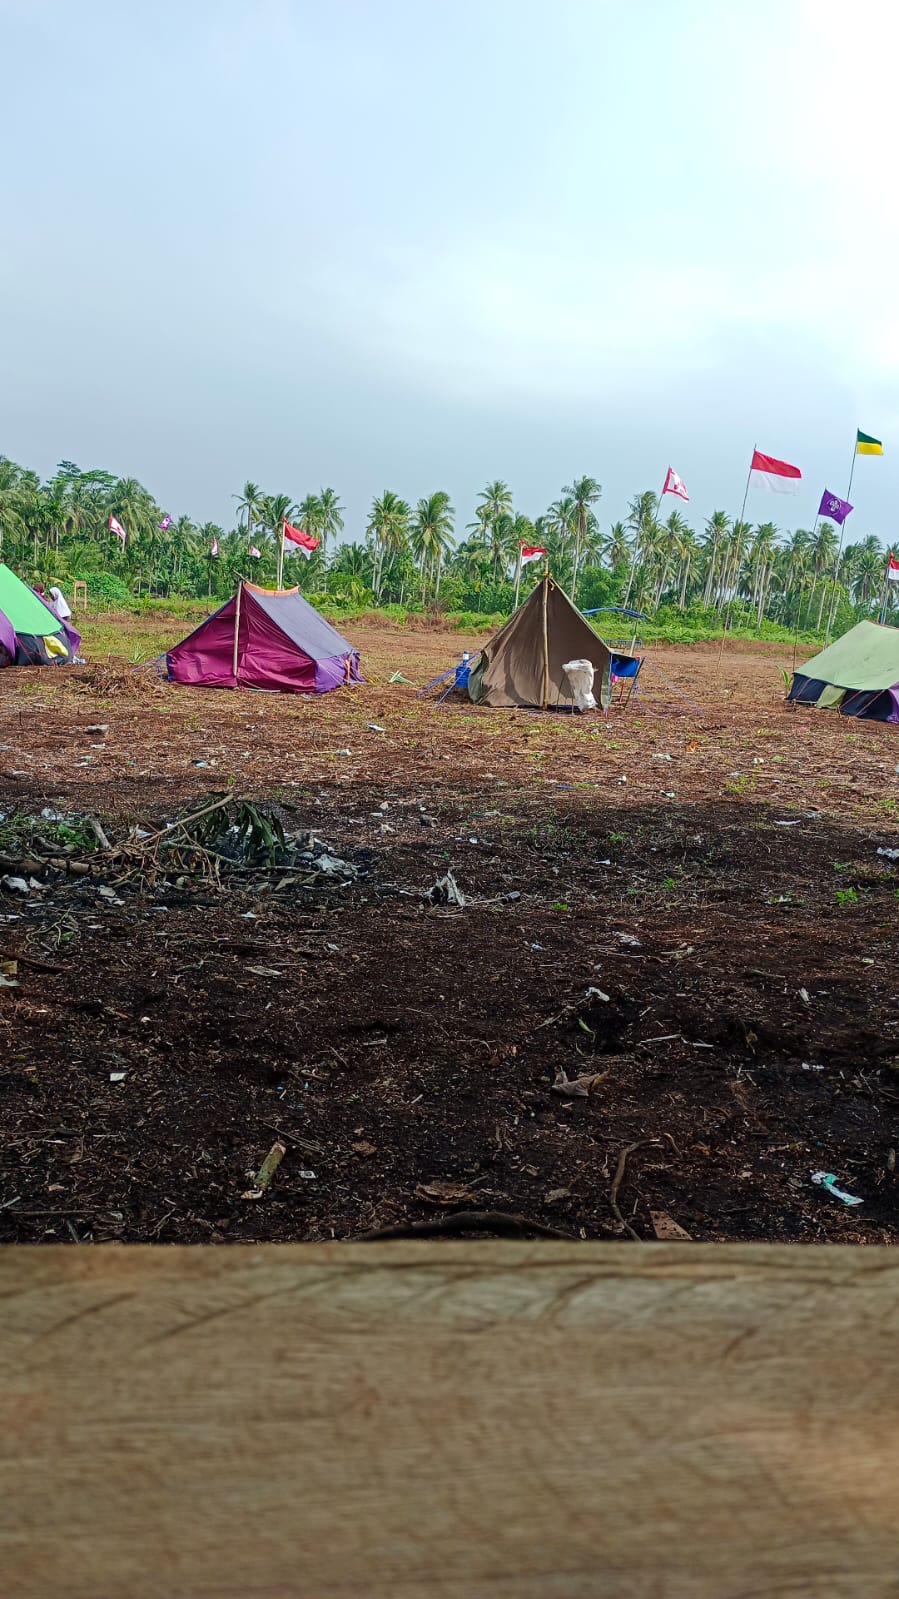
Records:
x=265, y=638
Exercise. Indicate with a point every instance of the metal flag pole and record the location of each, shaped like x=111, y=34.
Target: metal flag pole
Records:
x=518, y=576
x=739, y=524
x=281, y=555
x=836, y=573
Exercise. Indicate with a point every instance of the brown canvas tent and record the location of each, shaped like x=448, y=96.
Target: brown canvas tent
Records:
x=522, y=664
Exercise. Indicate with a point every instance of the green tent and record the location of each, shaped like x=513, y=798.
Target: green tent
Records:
x=858, y=673
x=31, y=634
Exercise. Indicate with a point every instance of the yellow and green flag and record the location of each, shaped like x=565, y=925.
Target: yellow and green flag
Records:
x=865, y=445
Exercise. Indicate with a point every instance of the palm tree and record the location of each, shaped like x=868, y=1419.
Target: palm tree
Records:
x=432, y=536
x=388, y=528
x=716, y=530
x=687, y=550
x=249, y=505
x=761, y=558
x=584, y=492
x=672, y=533
x=494, y=506
x=823, y=550
x=330, y=516
x=641, y=520
x=619, y=549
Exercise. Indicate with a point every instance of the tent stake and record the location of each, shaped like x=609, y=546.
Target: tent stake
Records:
x=236, y=626
x=545, y=642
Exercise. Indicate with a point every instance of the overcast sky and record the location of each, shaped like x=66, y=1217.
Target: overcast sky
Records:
x=417, y=244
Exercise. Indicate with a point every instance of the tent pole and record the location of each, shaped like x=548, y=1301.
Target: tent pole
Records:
x=236, y=627
x=545, y=641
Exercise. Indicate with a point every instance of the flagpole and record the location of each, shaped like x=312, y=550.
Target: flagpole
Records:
x=836, y=575
x=742, y=520
x=517, y=577
x=281, y=555
x=886, y=590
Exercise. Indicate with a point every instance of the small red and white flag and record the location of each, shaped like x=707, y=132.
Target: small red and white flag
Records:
x=214, y=549
x=256, y=554
x=530, y=552
x=777, y=475
x=675, y=485
x=306, y=543
x=116, y=527
x=892, y=569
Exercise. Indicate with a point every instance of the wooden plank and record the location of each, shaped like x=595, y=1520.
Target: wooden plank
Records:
x=462, y=1421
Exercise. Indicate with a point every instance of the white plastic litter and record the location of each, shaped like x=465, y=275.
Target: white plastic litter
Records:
x=891, y=854
x=826, y=1179
x=580, y=675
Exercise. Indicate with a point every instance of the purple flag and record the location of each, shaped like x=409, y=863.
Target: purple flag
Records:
x=165, y=524
x=833, y=507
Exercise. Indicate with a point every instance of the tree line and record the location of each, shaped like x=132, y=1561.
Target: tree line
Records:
x=411, y=554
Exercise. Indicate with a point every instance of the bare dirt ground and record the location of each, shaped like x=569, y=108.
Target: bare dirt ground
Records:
x=683, y=905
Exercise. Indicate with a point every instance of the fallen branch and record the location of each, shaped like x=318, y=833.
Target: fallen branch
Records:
x=625, y=1226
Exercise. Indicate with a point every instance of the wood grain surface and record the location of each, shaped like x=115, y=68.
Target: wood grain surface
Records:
x=454, y=1421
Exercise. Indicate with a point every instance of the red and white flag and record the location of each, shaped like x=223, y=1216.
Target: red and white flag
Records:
x=306, y=543
x=892, y=569
x=256, y=554
x=116, y=527
x=777, y=475
x=214, y=549
x=675, y=485
x=530, y=552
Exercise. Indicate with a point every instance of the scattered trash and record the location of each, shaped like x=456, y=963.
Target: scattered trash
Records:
x=110, y=894
x=384, y=805
x=577, y=1087
x=627, y=938
x=555, y=1195
x=826, y=1179
x=446, y=891
x=264, y=971
x=511, y=897
x=797, y=823
x=307, y=1176
x=199, y=763
x=374, y=727
x=811, y=1066
x=267, y=1170
x=891, y=854
x=803, y=995
x=668, y=793
x=95, y=727
x=622, y=779
x=597, y=993
x=536, y=946
x=14, y=885
x=399, y=678
x=117, y=1077
x=666, y=1228
x=444, y=1193
x=7, y=981
x=343, y=752
x=661, y=757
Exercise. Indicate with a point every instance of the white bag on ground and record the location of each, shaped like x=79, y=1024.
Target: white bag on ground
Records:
x=580, y=675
